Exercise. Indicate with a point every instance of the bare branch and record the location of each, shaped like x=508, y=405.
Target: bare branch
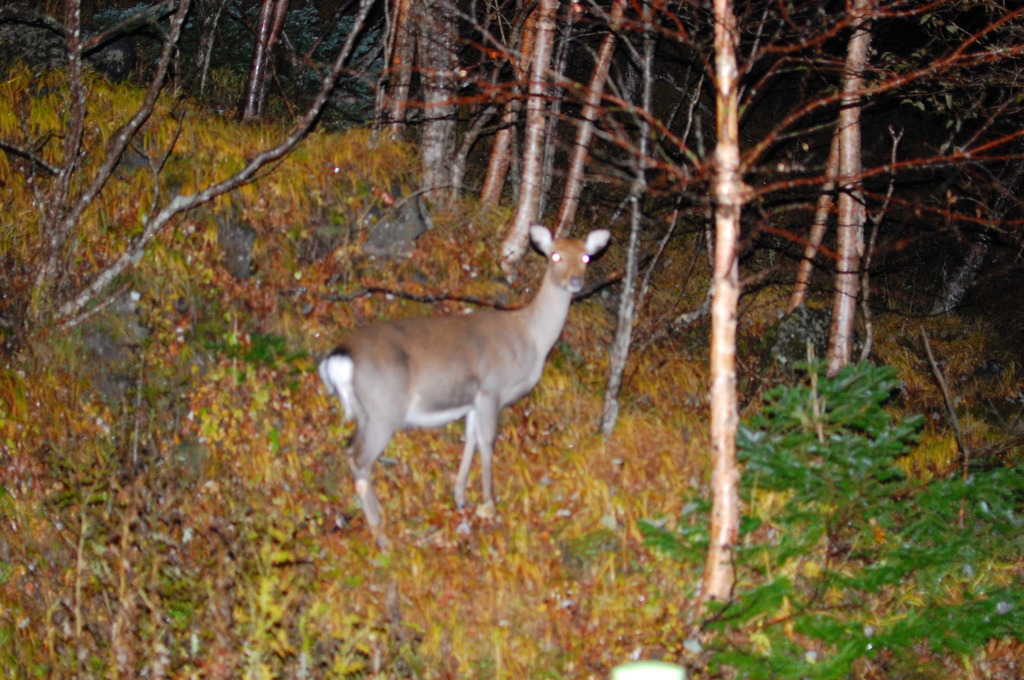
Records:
x=156, y=222
x=869, y=252
x=30, y=156
x=961, y=443
x=149, y=16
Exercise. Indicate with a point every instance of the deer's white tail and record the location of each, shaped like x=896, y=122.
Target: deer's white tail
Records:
x=430, y=371
x=336, y=373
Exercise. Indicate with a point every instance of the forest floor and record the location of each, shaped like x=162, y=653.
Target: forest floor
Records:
x=176, y=503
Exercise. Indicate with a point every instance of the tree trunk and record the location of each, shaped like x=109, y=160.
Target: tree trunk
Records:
x=851, y=211
x=627, y=304
x=514, y=246
x=251, y=96
x=271, y=19
x=207, y=35
x=588, y=118
x=60, y=220
x=276, y=26
x=955, y=286
x=501, y=152
x=393, y=88
x=729, y=194
x=457, y=174
x=556, y=97
x=501, y=155
x=254, y=86
x=818, y=228
x=438, y=60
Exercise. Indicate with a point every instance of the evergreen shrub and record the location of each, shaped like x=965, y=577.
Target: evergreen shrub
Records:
x=841, y=555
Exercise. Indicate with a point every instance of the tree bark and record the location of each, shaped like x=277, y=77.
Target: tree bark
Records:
x=588, y=118
x=556, y=97
x=60, y=210
x=514, y=246
x=438, y=61
x=393, y=89
x=729, y=194
x=269, y=23
x=619, y=351
x=207, y=35
x=501, y=155
x=818, y=227
x=851, y=210
x=501, y=152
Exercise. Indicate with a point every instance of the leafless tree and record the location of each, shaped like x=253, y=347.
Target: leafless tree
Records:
x=519, y=54
x=818, y=227
x=210, y=11
x=395, y=81
x=619, y=350
x=268, y=28
x=438, y=62
x=729, y=194
x=60, y=300
x=514, y=245
x=850, y=232
x=585, y=127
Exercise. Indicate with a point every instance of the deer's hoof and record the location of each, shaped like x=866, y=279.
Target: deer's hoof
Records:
x=486, y=511
x=383, y=544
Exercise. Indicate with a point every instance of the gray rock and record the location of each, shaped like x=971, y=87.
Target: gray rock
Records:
x=236, y=241
x=29, y=35
x=394, y=233
x=786, y=342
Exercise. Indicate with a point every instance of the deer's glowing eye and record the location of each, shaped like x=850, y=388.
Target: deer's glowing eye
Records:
x=556, y=257
x=585, y=259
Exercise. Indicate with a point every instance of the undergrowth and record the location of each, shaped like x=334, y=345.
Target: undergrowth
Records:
x=174, y=502
x=844, y=559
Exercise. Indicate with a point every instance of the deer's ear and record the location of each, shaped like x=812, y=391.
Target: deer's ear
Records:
x=541, y=238
x=596, y=241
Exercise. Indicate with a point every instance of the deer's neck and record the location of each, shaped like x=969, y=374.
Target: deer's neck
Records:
x=545, y=315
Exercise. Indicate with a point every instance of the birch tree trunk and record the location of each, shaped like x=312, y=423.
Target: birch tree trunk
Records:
x=627, y=304
x=501, y=155
x=514, y=246
x=269, y=24
x=207, y=34
x=729, y=195
x=818, y=227
x=851, y=210
x=588, y=117
x=501, y=152
x=250, y=98
x=555, y=97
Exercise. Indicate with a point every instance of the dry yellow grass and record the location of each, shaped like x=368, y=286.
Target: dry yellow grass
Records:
x=205, y=525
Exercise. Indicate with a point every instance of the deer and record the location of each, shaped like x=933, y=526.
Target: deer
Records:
x=430, y=371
